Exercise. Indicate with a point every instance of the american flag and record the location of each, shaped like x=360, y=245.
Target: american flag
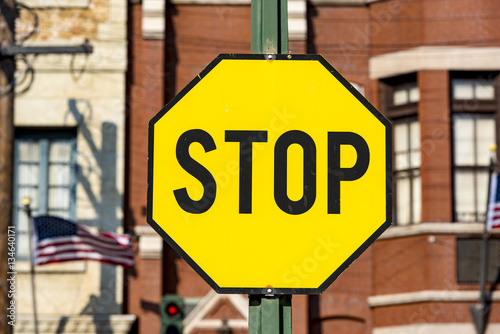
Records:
x=493, y=216
x=59, y=240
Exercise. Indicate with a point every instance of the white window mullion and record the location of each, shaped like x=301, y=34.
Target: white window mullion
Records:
x=472, y=136
x=43, y=177
x=407, y=171
x=73, y=179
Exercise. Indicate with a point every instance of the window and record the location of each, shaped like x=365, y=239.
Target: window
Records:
x=407, y=171
x=473, y=89
x=469, y=260
x=44, y=170
x=474, y=105
x=405, y=93
x=472, y=136
x=400, y=104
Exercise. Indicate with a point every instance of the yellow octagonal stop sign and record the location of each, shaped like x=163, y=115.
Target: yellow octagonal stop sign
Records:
x=269, y=174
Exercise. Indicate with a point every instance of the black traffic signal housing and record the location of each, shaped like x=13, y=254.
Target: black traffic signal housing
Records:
x=172, y=314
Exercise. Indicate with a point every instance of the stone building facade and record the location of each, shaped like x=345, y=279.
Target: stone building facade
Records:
x=432, y=68
x=70, y=121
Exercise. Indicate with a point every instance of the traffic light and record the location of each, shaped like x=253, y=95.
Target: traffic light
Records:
x=172, y=314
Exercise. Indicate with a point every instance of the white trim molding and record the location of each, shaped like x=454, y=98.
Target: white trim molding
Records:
x=433, y=228
x=248, y=2
x=153, y=16
x=98, y=323
x=150, y=242
x=436, y=328
x=434, y=58
x=427, y=296
x=57, y=3
x=153, y=19
x=196, y=318
x=211, y=2
x=343, y=2
x=297, y=20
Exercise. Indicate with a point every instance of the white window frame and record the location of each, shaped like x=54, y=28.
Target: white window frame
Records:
x=43, y=138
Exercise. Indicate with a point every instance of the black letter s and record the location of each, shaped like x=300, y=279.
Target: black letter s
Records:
x=197, y=170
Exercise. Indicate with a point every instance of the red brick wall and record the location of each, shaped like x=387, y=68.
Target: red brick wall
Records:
x=347, y=37
x=460, y=22
x=340, y=35
x=399, y=265
x=344, y=302
x=145, y=98
x=297, y=47
x=434, y=117
x=300, y=318
x=403, y=24
x=341, y=324
x=395, y=25
x=146, y=82
x=145, y=295
x=203, y=32
x=414, y=263
x=418, y=263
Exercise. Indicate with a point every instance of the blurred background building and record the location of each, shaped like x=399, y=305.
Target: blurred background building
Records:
x=431, y=66
x=69, y=155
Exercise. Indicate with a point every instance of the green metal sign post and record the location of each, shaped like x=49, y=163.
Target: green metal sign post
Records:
x=270, y=314
x=269, y=26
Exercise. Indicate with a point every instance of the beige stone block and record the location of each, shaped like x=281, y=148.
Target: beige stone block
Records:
x=153, y=27
x=58, y=292
x=64, y=85
x=68, y=112
x=40, y=112
x=23, y=267
x=462, y=58
x=107, y=56
x=297, y=8
x=118, y=11
x=115, y=323
x=112, y=31
x=57, y=3
x=150, y=242
x=153, y=6
x=297, y=29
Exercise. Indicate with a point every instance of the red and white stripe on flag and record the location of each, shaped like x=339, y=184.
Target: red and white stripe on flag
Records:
x=493, y=214
x=60, y=240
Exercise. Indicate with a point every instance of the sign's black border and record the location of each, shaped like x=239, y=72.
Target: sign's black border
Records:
x=274, y=290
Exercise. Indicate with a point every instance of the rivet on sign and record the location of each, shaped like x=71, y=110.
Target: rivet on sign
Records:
x=269, y=290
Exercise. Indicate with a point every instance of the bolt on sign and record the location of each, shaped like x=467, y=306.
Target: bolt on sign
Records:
x=269, y=174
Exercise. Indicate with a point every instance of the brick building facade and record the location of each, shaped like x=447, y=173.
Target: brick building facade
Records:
x=431, y=66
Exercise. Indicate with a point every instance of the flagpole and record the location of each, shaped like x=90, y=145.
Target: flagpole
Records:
x=26, y=203
x=484, y=249
x=480, y=312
